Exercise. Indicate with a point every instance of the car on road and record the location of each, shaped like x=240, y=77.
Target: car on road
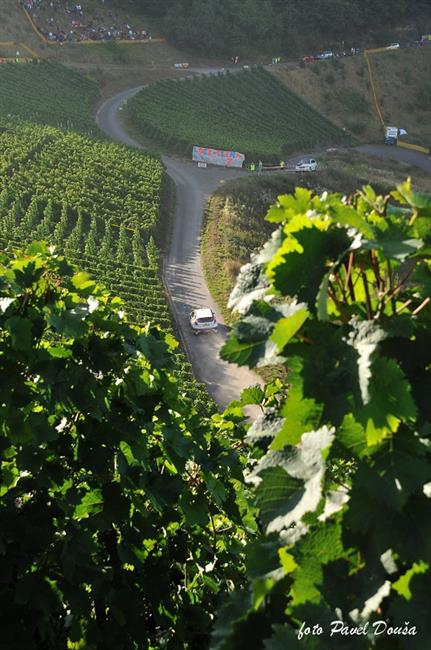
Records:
x=203, y=320
x=327, y=54
x=309, y=165
x=393, y=46
x=308, y=58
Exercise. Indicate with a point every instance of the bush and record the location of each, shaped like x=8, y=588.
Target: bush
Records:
x=113, y=531
x=342, y=483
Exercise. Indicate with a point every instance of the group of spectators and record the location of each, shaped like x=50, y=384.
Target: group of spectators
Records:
x=64, y=22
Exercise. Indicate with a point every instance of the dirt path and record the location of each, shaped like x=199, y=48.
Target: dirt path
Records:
x=182, y=272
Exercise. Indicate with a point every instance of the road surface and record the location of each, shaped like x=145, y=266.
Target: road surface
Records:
x=408, y=156
x=183, y=275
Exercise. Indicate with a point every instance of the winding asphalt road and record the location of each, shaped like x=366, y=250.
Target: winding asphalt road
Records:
x=183, y=274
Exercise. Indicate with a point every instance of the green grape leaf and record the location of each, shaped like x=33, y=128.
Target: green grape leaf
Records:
x=390, y=401
x=351, y=435
x=265, y=426
x=365, y=338
x=234, y=610
x=90, y=504
x=20, y=329
x=289, y=482
x=402, y=585
x=59, y=352
x=252, y=395
x=195, y=509
x=348, y=217
x=287, y=327
x=314, y=551
x=300, y=414
x=395, y=249
x=249, y=344
x=392, y=483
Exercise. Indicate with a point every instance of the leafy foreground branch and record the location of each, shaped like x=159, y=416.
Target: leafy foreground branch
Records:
x=125, y=519
x=342, y=478
x=120, y=510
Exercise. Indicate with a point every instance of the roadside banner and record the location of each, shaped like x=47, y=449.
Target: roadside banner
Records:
x=218, y=157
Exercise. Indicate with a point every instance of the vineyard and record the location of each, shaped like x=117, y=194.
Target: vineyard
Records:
x=97, y=202
x=48, y=93
x=250, y=112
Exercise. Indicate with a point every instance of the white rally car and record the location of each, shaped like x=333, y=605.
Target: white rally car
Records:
x=306, y=166
x=203, y=320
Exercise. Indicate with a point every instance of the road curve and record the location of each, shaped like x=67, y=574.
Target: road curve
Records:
x=408, y=156
x=183, y=274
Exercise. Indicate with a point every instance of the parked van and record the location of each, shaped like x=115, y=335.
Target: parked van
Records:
x=391, y=134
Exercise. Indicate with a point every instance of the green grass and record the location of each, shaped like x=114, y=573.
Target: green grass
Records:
x=100, y=204
x=250, y=112
x=48, y=93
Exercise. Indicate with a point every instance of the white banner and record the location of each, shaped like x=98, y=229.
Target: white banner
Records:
x=218, y=157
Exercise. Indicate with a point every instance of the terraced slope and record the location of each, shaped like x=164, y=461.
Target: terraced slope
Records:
x=100, y=204
x=250, y=112
x=48, y=93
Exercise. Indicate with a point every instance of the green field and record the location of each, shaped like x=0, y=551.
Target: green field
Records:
x=48, y=93
x=101, y=204
x=250, y=112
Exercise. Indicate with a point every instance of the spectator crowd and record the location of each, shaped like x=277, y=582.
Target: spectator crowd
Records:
x=64, y=22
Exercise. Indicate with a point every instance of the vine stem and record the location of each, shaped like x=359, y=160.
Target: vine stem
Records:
x=214, y=534
x=404, y=305
x=396, y=289
x=423, y=304
x=394, y=309
x=367, y=296
x=342, y=287
x=348, y=281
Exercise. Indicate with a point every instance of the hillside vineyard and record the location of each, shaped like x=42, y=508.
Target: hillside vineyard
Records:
x=250, y=112
x=71, y=95
x=97, y=202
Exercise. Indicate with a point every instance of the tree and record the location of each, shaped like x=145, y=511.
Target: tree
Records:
x=230, y=27
x=223, y=27
x=119, y=522
x=340, y=295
